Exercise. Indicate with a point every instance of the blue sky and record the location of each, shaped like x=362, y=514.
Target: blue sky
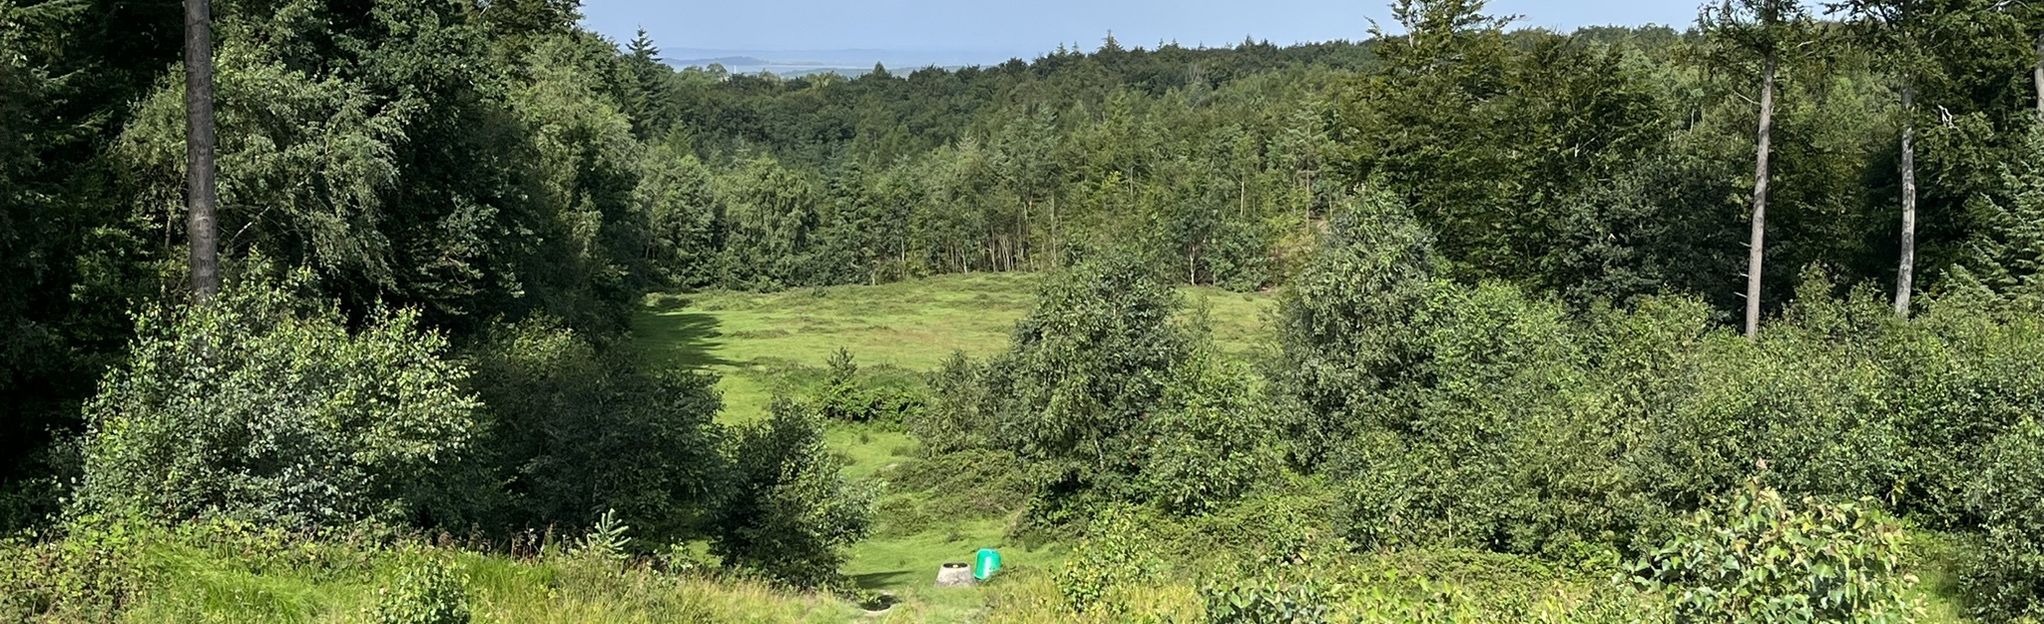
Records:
x=1040, y=25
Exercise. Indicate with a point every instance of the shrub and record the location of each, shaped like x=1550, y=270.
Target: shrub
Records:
x=1502, y=440
x=1267, y=598
x=262, y=404
x=842, y=398
x=423, y=591
x=849, y=395
x=577, y=431
x=1210, y=442
x=2007, y=582
x=1345, y=323
x=1115, y=556
x=959, y=416
x=787, y=510
x=1761, y=559
x=1967, y=371
x=1085, y=370
x=88, y=575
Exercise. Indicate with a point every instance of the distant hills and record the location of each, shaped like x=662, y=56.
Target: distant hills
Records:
x=848, y=62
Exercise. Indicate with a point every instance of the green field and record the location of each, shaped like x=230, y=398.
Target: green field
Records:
x=753, y=340
x=763, y=343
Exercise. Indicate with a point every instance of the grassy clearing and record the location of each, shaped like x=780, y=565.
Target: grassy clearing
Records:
x=761, y=342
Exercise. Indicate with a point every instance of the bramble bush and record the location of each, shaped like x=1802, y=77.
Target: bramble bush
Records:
x=1115, y=556
x=423, y=591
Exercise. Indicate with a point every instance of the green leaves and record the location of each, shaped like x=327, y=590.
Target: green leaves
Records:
x=786, y=509
x=2008, y=579
x=263, y=405
x=1758, y=558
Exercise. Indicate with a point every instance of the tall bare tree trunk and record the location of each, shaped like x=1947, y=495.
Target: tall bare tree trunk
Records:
x=1759, y=242
x=201, y=194
x=1022, y=232
x=1905, y=274
x=1057, y=254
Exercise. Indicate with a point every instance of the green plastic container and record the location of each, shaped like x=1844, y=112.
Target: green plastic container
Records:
x=989, y=561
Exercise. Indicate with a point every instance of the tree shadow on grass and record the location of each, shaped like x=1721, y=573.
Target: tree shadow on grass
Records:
x=683, y=339
x=885, y=579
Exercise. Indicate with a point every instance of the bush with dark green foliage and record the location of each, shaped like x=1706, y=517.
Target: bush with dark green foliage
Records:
x=849, y=394
x=1502, y=440
x=1345, y=324
x=2007, y=582
x=262, y=404
x=1758, y=558
x=577, y=430
x=841, y=398
x=1211, y=440
x=1085, y=372
x=785, y=509
x=960, y=414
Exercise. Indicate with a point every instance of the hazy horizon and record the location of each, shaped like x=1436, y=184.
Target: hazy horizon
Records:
x=926, y=32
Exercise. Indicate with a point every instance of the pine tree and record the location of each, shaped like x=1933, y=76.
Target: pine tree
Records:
x=644, y=97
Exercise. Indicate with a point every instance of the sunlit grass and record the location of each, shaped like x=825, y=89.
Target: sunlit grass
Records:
x=752, y=340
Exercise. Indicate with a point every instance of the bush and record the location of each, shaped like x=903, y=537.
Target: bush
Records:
x=1345, y=323
x=1967, y=371
x=578, y=431
x=1115, y=556
x=848, y=395
x=842, y=398
x=1210, y=442
x=261, y=404
x=87, y=576
x=1086, y=369
x=1268, y=598
x=1760, y=559
x=787, y=510
x=424, y=591
x=2007, y=582
x=1501, y=441
x=960, y=414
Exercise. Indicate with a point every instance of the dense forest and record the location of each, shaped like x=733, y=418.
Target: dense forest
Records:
x=1594, y=299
